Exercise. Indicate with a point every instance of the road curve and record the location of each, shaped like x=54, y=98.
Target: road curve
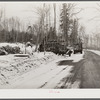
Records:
x=90, y=71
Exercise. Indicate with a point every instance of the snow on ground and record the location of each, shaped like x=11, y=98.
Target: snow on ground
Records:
x=11, y=66
x=52, y=74
x=76, y=57
x=48, y=74
x=10, y=44
x=95, y=51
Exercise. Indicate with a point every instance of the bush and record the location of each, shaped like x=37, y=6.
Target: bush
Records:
x=11, y=50
x=3, y=52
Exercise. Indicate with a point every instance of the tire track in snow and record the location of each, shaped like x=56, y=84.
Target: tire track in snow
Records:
x=53, y=81
x=34, y=75
x=74, y=79
x=40, y=81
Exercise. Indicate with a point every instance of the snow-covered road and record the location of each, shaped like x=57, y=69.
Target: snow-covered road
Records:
x=49, y=75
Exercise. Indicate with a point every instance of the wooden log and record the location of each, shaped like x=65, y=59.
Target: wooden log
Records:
x=21, y=55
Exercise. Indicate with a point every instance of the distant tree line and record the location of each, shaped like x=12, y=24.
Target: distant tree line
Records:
x=92, y=41
x=12, y=29
x=14, y=36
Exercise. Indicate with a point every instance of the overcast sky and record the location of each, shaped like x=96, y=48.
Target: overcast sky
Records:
x=23, y=11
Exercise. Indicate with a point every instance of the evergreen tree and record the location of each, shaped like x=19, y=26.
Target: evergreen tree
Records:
x=74, y=33
x=65, y=19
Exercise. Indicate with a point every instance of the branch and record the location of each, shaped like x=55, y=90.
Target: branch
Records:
x=76, y=12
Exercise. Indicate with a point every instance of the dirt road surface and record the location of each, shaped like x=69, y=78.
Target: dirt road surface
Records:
x=90, y=71
x=62, y=74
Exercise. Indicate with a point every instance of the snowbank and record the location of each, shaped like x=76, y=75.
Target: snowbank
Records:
x=95, y=51
x=10, y=44
x=11, y=67
x=76, y=57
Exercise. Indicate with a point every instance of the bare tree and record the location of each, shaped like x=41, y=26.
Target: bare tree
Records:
x=42, y=25
x=1, y=14
x=54, y=17
x=17, y=25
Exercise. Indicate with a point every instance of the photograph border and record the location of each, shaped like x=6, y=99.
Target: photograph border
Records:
x=72, y=94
